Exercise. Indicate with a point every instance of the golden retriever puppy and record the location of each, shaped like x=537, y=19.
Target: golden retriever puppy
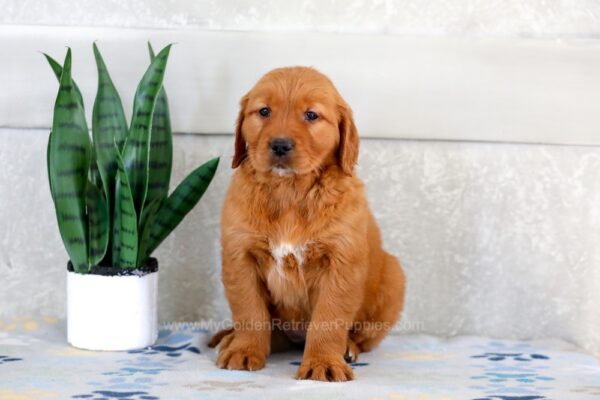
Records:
x=302, y=254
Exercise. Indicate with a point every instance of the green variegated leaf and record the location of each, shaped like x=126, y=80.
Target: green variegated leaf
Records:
x=136, y=153
x=97, y=223
x=127, y=220
x=98, y=215
x=108, y=126
x=57, y=69
x=94, y=175
x=115, y=239
x=146, y=222
x=69, y=159
x=48, y=163
x=161, y=147
x=180, y=202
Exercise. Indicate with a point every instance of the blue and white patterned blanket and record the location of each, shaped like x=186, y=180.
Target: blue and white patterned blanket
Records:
x=36, y=363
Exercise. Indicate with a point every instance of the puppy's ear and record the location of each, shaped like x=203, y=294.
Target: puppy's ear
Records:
x=348, y=147
x=240, y=151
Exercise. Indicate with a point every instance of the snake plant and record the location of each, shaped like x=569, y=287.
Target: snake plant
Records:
x=111, y=193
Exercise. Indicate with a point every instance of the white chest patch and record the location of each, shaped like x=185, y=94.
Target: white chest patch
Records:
x=285, y=280
x=281, y=251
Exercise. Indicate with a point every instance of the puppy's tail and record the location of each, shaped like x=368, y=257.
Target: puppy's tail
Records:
x=217, y=337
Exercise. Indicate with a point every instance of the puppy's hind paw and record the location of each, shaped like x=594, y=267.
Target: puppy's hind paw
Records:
x=218, y=337
x=352, y=352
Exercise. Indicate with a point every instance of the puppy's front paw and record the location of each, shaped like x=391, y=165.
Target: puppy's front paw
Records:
x=240, y=353
x=325, y=368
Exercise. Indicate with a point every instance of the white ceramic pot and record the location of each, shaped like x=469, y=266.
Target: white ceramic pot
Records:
x=111, y=312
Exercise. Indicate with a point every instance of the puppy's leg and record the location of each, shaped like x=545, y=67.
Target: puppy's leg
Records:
x=249, y=344
x=368, y=333
x=336, y=304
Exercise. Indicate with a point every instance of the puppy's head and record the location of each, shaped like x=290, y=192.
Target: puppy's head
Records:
x=294, y=121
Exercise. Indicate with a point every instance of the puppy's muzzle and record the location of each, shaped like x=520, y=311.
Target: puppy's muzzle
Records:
x=281, y=147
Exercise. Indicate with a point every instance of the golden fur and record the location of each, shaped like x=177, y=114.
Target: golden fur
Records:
x=302, y=254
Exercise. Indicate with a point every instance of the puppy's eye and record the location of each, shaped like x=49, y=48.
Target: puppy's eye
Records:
x=310, y=116
x=264, y=112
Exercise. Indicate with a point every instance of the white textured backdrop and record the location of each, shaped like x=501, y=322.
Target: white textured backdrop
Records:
x=479, y=17
x=496, y=239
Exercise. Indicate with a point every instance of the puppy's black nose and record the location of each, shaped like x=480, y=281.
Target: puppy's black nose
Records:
x=280, y=147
